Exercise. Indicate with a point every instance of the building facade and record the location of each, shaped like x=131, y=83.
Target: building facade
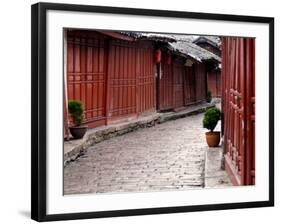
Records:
x=212, y=44
x=121, y=76
x=238, y=105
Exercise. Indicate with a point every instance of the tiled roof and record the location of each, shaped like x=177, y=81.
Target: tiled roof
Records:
x=183, y=44
x=212, y=40
x=193, y=51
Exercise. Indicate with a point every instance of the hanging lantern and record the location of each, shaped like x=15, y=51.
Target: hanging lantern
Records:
x=158, y=56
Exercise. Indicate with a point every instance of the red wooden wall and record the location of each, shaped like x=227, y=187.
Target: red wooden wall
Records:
x=166, y=86
x=238, y=103
x=122, y=78
x=86, y=73
x=113, y=78
x=214, y=83
x=179, y=72
x=146, y=70
x=181, y=85
x=200, y=80
x=189, y=86
x=131, y=78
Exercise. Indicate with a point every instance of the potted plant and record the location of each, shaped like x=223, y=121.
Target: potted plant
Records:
x=211, y=118
x=209, y=96
x=75, y=108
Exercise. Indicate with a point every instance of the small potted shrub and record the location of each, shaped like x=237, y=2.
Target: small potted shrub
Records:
x=209, y=96
x=211, y=118
x=76, y=110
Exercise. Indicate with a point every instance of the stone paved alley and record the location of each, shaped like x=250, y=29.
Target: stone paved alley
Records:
x=167, y=156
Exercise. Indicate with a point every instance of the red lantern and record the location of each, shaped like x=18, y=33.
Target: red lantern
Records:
x=158, y=56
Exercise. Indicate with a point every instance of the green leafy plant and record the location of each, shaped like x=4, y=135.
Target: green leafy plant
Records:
x=211, y=118
x=209, y=96
x=76, y=109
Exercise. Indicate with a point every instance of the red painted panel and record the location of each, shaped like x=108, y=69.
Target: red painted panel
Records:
x=189, y=86
x=214, y=83
x=131, y=75
x=200, y=80
x=238, y=103
x=145, y=78
x=122, y=56
x=113, y=78
x=86, y=73
x=181, y=85
x=166, y=86
x=250, y=111
x=178, y=72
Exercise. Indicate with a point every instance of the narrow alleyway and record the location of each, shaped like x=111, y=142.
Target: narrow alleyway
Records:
x=168, y=156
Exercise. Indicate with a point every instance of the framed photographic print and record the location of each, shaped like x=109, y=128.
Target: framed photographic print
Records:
x=140, y=111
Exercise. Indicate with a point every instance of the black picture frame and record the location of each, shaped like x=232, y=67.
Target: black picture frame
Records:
x=39, y=122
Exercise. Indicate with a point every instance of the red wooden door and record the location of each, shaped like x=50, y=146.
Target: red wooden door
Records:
x=214, y=83
x=145, y=78
x=249, y=177
x=178, y=73
x=86, y=73
x=238, y=82
x=189, y=86
x=166, y=86
x=122, y=79
x=131, y=80
x=201, y=82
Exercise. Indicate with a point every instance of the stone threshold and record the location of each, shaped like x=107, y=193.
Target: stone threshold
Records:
x=75, y=148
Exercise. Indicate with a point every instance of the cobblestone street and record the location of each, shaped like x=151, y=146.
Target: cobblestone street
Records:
x=167, y=156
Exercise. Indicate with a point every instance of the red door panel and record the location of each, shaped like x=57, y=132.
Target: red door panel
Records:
x=238, y=85
x=86, y=73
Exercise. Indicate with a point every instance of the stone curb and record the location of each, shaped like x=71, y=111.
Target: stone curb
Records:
x=214, y=175
x=95, y=136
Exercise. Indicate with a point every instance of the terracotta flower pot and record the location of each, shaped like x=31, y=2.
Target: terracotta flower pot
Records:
x=213, y=138
x=78, y=131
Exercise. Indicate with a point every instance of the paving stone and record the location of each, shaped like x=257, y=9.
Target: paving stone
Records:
x=163, y=157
